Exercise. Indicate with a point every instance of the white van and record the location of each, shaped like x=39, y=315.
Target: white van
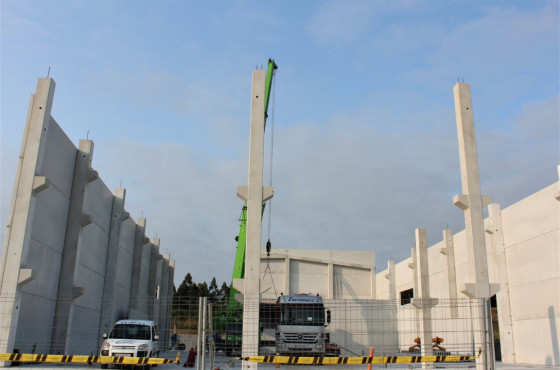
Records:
x=131, y=338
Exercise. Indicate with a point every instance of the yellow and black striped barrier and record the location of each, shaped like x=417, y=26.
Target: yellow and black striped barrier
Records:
x=27, y=357
x=376, y=360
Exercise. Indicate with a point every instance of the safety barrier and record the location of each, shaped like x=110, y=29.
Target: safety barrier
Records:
x=376, y=360
x=28, y=357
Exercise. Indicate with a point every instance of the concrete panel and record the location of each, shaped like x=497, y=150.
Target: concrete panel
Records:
x=34, y=330
x=45, y=264
x=98, y=202
x=125, y=255
x=92, y=282
x=120, y=304
x=84, y=336
x=352, y=282
x=92, y=248
x=534, y=260
x=535, y=215
x=59, y=159
x=536, y=341
x=50, y=217
x=308, y=277
x=272, y=282
x=532, y=301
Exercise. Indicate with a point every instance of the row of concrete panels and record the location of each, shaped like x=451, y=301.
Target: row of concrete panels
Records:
x=73, y=260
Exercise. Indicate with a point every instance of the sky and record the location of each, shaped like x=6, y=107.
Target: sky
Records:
x=361, y=141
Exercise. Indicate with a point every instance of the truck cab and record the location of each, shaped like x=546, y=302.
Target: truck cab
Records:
x=301, y=328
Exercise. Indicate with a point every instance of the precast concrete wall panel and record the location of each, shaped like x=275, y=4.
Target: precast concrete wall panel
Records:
x=125, y=255
x=84, y=338
x=59, y=159
x=34, y=333
x=308, y=277
x=349, y=282
x=272, y=282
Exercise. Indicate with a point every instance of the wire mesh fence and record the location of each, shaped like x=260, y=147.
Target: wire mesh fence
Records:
x=308, y=327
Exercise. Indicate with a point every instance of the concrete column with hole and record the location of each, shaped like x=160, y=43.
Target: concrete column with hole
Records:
x=472, y=202
x=254, y=194
x=422, y=300
x=449, y=253
x=29, y=182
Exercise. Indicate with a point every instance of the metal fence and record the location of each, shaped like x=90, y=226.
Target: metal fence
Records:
x=334, y=328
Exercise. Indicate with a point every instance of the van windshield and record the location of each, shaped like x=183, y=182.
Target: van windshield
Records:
x=130, y=331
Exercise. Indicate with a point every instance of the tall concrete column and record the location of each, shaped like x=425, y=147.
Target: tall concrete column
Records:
x=472, y=203
x=154, y=281
x=254, y=194
x=18, y=232
x=449, y=252
x=331, y=282
x=77, y=220
x=505, y=320
x=107, y=304
x=287, y=275
x=422, y=301
x=390, y=276
x=140, y=240
x=163, y=320
x=373, y=280
x=414, y=266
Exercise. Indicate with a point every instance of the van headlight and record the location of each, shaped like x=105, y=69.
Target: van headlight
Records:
x=106, y=346
x=143, y=347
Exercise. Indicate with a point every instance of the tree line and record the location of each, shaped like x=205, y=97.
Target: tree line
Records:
x=189, y=290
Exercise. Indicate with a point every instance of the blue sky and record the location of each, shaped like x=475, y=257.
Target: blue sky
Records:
x=365, y=143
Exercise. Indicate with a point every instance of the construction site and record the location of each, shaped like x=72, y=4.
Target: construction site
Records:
x=76, y=269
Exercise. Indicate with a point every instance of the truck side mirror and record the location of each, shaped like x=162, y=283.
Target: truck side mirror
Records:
x=105, y=335
x=156, y=337
x=328, y=316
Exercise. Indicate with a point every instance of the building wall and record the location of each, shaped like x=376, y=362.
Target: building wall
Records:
x=531, y=243
x=331, y=274
x=39, y=237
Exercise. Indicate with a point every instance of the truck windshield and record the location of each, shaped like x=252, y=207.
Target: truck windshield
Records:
x=130, y=331
x=302, y=314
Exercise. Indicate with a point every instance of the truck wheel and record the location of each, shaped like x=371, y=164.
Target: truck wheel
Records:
x=103, y=366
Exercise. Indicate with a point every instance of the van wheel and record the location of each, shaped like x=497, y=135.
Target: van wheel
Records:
x=104, y=366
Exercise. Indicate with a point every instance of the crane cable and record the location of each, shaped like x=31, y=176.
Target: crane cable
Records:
x=268, y=243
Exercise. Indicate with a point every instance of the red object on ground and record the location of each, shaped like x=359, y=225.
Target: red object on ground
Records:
x=191, y=358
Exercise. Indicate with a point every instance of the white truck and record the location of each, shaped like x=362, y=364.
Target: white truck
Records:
x=301, y=329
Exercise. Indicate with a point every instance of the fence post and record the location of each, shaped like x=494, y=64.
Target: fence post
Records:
x=199, y=364
x=211, y=346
